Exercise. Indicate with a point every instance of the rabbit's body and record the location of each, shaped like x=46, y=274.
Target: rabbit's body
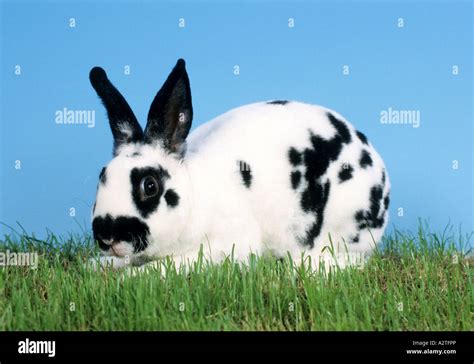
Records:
x=247, y=193
x=273, y=178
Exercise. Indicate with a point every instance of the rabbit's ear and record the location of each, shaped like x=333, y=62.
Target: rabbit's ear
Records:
x=124, y=124
x=171, y=111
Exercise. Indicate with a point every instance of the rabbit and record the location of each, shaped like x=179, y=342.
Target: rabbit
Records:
x=280, y=178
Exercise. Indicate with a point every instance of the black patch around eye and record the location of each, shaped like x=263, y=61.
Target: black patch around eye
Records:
x=295, y=179
x=245, y=172
x=294, y=157
x=121, y=228
x=278, y=102
x=362, y=137
x=365, y=159
x=345, y=173
x=171, y=198
x=103, y=176
x=146, y=207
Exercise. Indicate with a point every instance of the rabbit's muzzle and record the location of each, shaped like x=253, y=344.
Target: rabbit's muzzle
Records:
x=112, y=232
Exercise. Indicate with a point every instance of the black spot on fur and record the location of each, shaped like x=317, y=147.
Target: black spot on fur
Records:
x=147, y=205
x=171, y=198
x=246, y=173
x=121, y=228
x=375, y=200
x=362, y=137
x=374, y=216
x=278, y=102
x=365, y=159
x=345, y=173
x=386, y=201
x=355, y=239
x=103, y=176
x=136, y=154
x=317, y=161
x=294, y=156
x=318, y=158
x=295, y=179
x=316, y=200
x=359, y=217
x=341, y=127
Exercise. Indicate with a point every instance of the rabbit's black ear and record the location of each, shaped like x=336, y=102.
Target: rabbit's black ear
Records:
x=124, y=124
x=171, y=112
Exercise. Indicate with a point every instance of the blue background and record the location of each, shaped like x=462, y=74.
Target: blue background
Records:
x=407, y=68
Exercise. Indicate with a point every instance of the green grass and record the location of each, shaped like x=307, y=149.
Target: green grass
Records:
x=414, y=282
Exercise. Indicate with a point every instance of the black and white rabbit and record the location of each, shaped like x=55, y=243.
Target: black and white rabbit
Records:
x=278, y=177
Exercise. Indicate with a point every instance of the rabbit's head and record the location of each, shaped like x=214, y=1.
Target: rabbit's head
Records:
x=140, y=192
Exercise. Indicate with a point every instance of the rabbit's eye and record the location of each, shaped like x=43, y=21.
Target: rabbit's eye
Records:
x=148, y=187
